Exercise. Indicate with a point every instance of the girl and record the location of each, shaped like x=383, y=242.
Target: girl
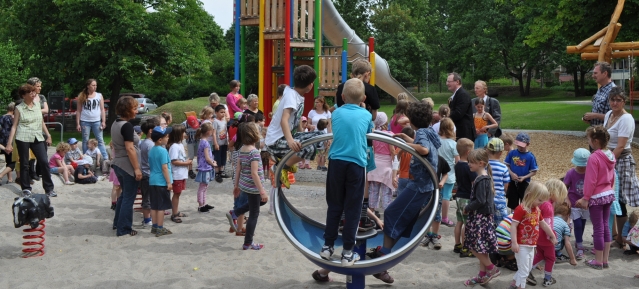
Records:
x=321, y=111
x=242, y=104
x=116, y=190
x=481, y=124
x=443, y=112
x=574, y=180
x=179, y=167
x=546, y=250
x=599, y=193
x=236, y=222
x=480, y=231
x=168, y=117
x=524, y=231
x=380, y=180
x=251, y=177
x=399, y=119
x=449, y=152
x=304, y=164
x=205, y=164
x=57, y=165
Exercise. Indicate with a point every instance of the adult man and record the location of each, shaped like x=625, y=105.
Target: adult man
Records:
x=461, y=108
x=491, y=104
x=602, y=74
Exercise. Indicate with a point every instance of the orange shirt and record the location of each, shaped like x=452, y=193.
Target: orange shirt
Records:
x=404, y=164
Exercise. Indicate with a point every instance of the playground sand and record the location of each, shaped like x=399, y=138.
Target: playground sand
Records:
x=82, y=250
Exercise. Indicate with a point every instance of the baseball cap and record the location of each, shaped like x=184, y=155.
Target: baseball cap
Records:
x=192, y=122
x=522, y=140
x=137, y=129
x=159, y=132
x=72, y=141
x=580, y=157
x=495, y=145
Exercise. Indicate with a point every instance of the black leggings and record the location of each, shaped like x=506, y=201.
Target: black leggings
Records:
x=253, y=207
x=39, y=149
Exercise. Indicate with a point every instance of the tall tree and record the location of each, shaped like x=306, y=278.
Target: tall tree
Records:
x=12, y=70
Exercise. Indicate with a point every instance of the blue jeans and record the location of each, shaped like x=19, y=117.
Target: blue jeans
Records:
x=124, y=207
x=87, y=127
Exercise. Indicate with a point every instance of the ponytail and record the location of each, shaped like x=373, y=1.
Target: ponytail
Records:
x=489, y=170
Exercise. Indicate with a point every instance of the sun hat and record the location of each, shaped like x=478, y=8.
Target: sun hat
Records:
x=495, y=145
x=159, y=132
x=522, y=140
x=192, y=122
x=72, y=141
x=85, y=160
x=580, y=157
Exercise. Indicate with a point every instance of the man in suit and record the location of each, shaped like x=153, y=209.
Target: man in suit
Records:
x=461, y=108
x=491, y=104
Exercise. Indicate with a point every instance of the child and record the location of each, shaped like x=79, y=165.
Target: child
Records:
x=160, y=180
x=138, y=130
x=179, y=165
x=508, y=142
x=322, y=151
x=574, y=180
x=280, y=92
x=168, y=117
x=116, y=190
x=242, y=103
x=145, y=147
x=522, y=165
x=432, y=236
x=546, y=250
x=236, y=222
x=220, y=142
x=480, y=231
x=501, y=178
x=627, y=236
x=57, y=166
x=562, y=230
x=284, y=133
x=404, y=162
x=205, y=164
x=524, y=231
x=481, y=119
x=444, y=112
x=192, y=124
x=232, y=98
x=380, y=180
x=94, y=153
x=83, y=173
x=74, y=153
x=251, y=177
x=449, y=152
x=345, y=191
x=465, y=178
x=599, y=193
x=304, y=164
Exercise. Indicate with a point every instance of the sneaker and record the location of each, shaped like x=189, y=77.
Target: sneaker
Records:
x=324, y=169
x=52, y=194
x=425, y=241
x=549, y=282
x=319, y=168
x=69, y=183
x=284, y=179
x=327, y=252
x=218, y=178
x=229, y=217
x=349, y=260
x=147, y=224
x=316, y=275
x=113, y=207
x=192, y=175
x=465, y=253
x=385, y=277
x=203, y=210
x=579, y=255
x=162, y=232
x=606, y=266
x=26, y=193
x=457, y=249
x=436, y=244
x=562, y=259
x=531, y=279
x=154, y=230
x=253, y=246
x=209, y=207
x=101, y=178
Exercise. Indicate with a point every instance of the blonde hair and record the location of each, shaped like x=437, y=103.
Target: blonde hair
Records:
x=483, y=85
x=429, y=101
x=557, y=190
x=206, y=111
x=507, y=139
x=447, y=128
x=353, y=92
x=242, y=101
x=444, y=111
x=93, y=142
x=464, y=145
x=402, y=96
x=360, y=67
x=63, y=147
x=633, y=218
x=481, y=155
x=535, y=191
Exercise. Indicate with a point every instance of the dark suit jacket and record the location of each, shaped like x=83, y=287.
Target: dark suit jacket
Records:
x=493, y=108
x=461, y=112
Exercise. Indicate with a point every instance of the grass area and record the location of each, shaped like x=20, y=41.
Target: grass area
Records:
x=177, y=108
x=55, y=136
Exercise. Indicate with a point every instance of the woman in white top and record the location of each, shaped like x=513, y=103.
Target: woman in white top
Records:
x=90, y=116
x=321, y=111
x=621, y=127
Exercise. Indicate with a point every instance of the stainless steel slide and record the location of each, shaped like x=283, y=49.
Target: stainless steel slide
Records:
x=335, y=29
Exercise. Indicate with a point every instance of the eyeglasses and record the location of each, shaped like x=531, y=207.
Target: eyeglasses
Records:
x=617, y=100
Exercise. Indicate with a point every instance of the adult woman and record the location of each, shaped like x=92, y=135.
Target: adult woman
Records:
x=27, y=129
x=399, y=119
x=6, y=123
x=321, y=111
x=125, y=164
x=91, y=116
x=44, y=107
x=253, y=104
x=621, y=127
x=214, y=100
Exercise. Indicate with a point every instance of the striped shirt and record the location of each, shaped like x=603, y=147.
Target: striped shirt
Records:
x=246, y=183
x=501, y=177
x=30, y=123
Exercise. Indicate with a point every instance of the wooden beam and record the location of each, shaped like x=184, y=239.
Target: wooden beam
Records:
x=604, y=52
x=613, y=55
x=592, y=38
x=614, y=46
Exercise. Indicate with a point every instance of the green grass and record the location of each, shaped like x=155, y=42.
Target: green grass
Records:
x=55, y=136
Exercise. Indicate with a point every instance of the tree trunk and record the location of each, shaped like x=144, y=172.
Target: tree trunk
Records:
x=528, y=79
x=583, y=82
x=575, y=82
x=116, y=87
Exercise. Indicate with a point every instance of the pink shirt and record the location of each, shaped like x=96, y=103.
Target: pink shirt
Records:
x=548, y=215
x=600, y=174
x=231, y=102
x=53, y=161
x=381, y=148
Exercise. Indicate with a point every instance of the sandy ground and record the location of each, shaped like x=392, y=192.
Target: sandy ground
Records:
x=82, y=250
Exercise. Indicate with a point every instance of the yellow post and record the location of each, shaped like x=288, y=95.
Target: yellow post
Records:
x=260, y=74
x=372, y=81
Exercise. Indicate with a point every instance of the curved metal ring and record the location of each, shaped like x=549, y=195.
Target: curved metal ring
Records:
x=396, y=253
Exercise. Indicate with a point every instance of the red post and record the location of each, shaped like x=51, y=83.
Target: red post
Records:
x=371, y=46
x=287, y=41
x=268, y=78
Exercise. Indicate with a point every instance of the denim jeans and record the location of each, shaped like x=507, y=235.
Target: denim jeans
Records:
x=39, y=149
x=123, y=220
x=87, y=127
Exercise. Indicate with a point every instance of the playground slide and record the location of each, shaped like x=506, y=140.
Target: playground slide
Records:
x=335, y=29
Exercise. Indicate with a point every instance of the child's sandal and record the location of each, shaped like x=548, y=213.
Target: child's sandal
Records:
x=176, y=218
x=593, y=264
x=253, y=246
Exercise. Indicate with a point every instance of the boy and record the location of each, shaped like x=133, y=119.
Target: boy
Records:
x=522, y=165
x=562, y=230
x=220, y=142
x=501, y=178
x=94, y=153
x=192, y=124
x=145, y=147
x=508, y=142
x=347, y=173
x=74, y=154
x=465, y=179
x=83, y=173
x=432, y=236
x=284, y=133
x=160, y=179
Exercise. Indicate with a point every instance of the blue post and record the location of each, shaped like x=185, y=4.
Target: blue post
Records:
x=357, y=281
x=344, y=60
x=238, y=6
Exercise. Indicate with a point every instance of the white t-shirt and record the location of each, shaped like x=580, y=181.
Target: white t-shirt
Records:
x=92, y=153
x=624, y=127
x=91, y=109
x=315, y=117
x=436, y=127
x=177, y=153
x=290, y=99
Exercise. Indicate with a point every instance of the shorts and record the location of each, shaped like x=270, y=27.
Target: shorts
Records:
x=54, y=170
x=447, y=192
x=144, y=187
x=461, y=204
x=577, y=213
x=240, y=201
x=179, y=186
x=220, y=156
x=160, y=198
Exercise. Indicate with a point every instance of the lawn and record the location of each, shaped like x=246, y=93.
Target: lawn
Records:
x=55, y=136
x=177, y=108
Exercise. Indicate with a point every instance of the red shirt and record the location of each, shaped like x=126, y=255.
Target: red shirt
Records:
x=548, y=215
x=528, y=228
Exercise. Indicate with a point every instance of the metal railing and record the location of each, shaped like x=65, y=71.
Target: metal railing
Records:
x=61, y=129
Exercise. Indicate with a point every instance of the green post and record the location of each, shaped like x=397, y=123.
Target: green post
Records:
x=318, y=44
x=243, y=62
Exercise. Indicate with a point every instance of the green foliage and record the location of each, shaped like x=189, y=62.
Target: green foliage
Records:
x=356, y=13
x=12, y=71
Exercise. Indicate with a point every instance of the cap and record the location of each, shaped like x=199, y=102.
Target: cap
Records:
x=580, y=157
x=522, y=140
x=192, y=122
x=72, y=141
x=159, y=132
x=304, y=118
x=237, y=115
x=495, y=145
x=137, y=129
x=85, y=160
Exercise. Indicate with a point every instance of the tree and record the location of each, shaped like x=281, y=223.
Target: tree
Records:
x=12, y=70
x=356, y=13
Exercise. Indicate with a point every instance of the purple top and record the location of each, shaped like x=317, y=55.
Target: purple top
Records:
x=202, y=165
x=575, y=183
